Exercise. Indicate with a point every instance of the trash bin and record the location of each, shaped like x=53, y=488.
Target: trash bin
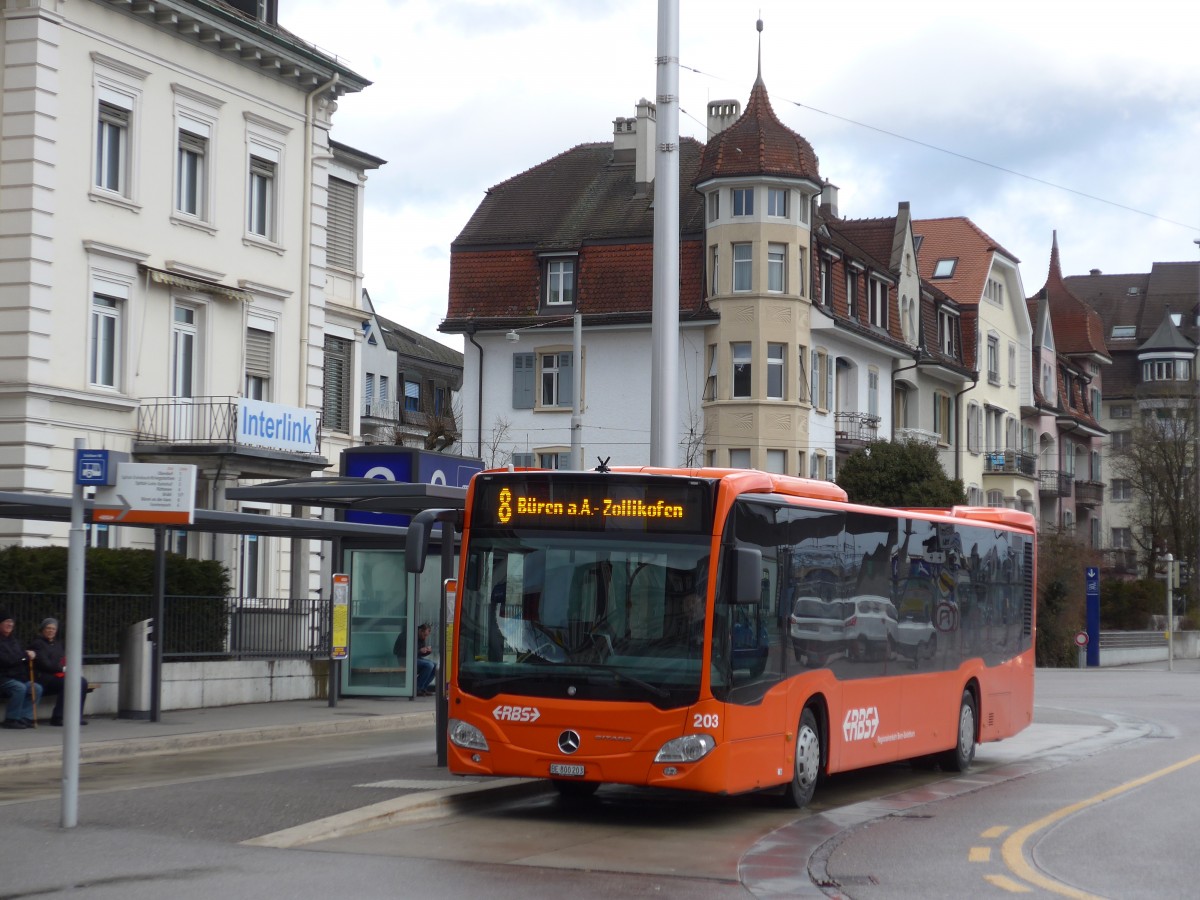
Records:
x=133, y=696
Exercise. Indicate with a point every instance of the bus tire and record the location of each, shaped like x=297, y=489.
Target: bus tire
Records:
x=806, y=770
x=575, y=790
x=960, y=758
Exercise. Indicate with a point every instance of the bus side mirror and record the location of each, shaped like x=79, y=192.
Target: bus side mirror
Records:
x=748, y=578
x=416, y=542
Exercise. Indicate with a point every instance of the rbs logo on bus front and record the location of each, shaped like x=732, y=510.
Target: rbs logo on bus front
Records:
x=516, y=713
x=861, y=723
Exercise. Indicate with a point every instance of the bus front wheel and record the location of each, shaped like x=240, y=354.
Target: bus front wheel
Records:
x=959, y=759
x=807, y=768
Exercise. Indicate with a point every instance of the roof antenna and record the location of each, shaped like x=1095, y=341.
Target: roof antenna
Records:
x=758, y=25
x=603, y=467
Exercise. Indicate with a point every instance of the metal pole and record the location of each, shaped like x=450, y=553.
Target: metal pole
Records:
x=1170, y=610
x=664, y=327
x=577, y=395
x=441, y=719
x=1194, y=571
x=158, y=632
x=72, y=699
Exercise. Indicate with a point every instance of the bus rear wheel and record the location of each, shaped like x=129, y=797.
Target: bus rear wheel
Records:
x=807, y=768
x=576, y=790
x=960, y=758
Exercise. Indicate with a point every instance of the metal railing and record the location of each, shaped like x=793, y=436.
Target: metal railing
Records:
x=195, y=627
x=1089, y=493
x=192, y=420
x=1054, y=484
x=920, y=435
x=856, y=426
x=387, y=410
x=1010, y=462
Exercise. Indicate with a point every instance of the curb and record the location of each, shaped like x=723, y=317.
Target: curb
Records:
x=424, y=805
x=120, y=748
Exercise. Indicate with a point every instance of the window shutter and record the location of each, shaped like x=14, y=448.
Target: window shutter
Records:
x=523, y=460
x=523, y=377
x=341, y=228
x=258, y=353
x=337, y=384
x=565, y=383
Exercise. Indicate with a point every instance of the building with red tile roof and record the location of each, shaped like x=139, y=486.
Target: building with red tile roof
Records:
x=1069, y=358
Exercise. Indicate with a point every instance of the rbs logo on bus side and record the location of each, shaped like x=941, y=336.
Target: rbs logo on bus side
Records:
x=861, y=724
x=516, y=713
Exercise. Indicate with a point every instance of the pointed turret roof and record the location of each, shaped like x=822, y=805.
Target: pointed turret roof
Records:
x=1078, y=328
x=758, y=144
x=1167, y=337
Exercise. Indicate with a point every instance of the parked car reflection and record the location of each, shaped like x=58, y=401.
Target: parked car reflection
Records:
x=872, y=629
x=818, y=629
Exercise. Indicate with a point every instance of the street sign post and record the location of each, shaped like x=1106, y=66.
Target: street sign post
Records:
x=148, y=494
x=1092, y=581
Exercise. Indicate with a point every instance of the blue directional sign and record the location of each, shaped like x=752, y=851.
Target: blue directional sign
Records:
x=1091, y=577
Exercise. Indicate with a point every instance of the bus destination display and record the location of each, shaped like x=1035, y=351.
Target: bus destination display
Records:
x=601, y=504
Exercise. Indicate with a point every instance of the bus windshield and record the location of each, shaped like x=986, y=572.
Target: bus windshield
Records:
x=605, y=609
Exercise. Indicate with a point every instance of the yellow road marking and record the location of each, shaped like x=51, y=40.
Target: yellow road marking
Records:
x=995, y=831
x=980, y=854
x=1006, y=883
x=1013, y=849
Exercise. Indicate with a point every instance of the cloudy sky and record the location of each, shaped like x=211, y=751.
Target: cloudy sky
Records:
x=1026, y=116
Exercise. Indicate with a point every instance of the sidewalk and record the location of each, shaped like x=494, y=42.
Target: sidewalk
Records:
x=106, y=737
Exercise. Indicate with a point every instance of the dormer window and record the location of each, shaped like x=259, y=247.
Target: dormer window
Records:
x=945, y=268
x=559, y=279
x=1120, y=332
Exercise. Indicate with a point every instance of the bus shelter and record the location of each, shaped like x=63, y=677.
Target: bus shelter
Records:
x=387, y=603
x=386, y=598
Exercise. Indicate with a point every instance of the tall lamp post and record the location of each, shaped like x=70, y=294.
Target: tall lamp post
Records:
x=1194, y=571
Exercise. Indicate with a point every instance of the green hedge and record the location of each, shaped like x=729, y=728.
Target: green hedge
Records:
x=119, y=590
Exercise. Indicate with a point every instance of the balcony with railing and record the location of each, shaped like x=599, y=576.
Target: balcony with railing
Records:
x=855, y=429
x=179, y=427
x=1010, y=462
x=1054, y=484
x=380, y=412
x=1089, y=494
x=918, y=435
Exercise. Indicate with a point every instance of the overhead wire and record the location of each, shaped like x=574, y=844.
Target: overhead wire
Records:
x=956, y=154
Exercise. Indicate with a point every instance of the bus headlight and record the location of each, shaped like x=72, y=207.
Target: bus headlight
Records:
x=686, y=749
x=466, y=736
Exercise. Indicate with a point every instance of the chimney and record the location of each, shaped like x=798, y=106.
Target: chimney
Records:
x=1094, y=272
x=645, y=143
x=829, y=200
x=624, y=139
x=722, y=114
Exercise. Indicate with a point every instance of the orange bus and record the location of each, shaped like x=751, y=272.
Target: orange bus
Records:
x=729, y=631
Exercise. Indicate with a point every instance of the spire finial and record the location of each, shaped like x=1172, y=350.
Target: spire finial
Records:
x=758, y=25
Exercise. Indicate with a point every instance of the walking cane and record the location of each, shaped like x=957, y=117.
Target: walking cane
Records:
x=33, y=691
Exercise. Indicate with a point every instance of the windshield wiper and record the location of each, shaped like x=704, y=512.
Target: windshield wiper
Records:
x=618, y=675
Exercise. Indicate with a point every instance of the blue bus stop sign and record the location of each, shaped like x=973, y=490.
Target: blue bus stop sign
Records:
x=92, y=467
x=1092, y=580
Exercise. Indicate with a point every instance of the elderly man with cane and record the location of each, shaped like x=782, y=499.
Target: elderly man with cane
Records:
x=16, y=677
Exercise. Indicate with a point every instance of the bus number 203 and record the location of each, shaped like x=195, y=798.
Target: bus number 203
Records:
x=706, y=720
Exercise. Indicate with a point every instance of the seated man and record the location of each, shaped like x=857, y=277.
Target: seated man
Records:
x=426, y=667
x=16, y=667
x=49, y=669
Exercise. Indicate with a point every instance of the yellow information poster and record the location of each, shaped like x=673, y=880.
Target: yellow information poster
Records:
x=341, y=617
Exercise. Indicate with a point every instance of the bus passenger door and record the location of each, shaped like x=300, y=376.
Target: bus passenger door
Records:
x=748, y=649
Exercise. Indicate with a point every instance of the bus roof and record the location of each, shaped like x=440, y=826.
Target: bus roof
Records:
x=753, y=481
